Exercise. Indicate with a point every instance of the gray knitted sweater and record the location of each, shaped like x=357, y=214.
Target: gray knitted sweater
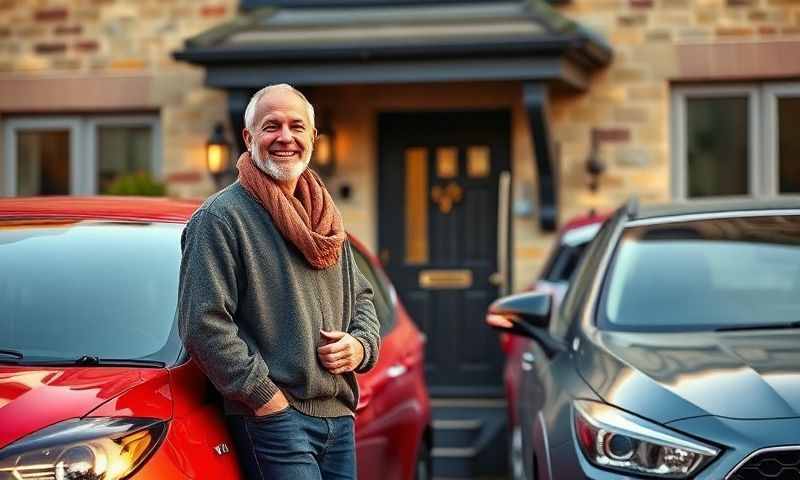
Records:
x=250, y=309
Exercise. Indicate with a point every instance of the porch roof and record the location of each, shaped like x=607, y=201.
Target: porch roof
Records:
x=401, y=43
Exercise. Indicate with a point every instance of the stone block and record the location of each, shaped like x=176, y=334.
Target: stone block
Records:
x=630, y=115
x=86, y=46
x=658, y=35
x=31, y=63
x=632, y=157
x=213, y=11
x=31, y=31
x=50, y=14
x=66, y=64
x=627, y=75
x=128, y=64
x=611, y=135
x=632, y=20
x=682, y=4
x=50, y=48
x=68, y=30
x=646, y=92
x=734, y=32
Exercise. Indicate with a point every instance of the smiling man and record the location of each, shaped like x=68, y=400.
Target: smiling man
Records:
x=272, y=306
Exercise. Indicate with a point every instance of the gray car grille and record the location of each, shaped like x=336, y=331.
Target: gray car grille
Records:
x=770, y=465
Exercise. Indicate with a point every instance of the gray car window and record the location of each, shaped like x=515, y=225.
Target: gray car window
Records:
x=705, y=275
x=381, y=297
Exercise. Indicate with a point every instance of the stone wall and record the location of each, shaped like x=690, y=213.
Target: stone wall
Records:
x=93, y=42
x=657, y=43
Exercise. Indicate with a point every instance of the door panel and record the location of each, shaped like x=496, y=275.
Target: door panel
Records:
x=438, y=206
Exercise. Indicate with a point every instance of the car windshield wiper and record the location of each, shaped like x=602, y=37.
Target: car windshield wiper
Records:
x=11, y=353
x=118, y=362
x=86, y=360
x=16, y=356
x=760, y=326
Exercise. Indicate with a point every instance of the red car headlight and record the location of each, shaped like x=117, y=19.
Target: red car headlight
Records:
x=83, y=449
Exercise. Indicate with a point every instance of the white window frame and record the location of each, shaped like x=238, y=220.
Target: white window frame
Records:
x=83, y=146
x=763, y=157
x=770, y=95
x=92, y=123
x=13, y=126
x=678, y=136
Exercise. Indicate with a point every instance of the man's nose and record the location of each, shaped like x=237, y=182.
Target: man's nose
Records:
x=286, y=134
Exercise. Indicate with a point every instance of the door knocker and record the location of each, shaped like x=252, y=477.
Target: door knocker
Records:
x=446, y=197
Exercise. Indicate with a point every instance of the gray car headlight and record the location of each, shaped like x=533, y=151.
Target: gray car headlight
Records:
x=83, y=449
x=616, y=440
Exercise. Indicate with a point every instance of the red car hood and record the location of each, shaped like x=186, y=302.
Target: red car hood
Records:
x=32, y=398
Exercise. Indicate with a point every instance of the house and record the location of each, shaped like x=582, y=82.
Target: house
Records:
x=461, y=132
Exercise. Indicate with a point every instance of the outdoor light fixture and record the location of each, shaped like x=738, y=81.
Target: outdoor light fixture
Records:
x=218, y=155
x=324, y=158
x=594, y=165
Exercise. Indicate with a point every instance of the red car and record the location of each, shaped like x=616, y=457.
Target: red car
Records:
x=569, y=247
x=94, y=381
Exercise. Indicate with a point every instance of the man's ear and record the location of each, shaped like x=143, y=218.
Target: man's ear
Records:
x=247, y=138
x=316, y=136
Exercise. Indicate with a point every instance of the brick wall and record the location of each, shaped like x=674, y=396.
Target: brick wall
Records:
x=95, y=39
x=656, y=42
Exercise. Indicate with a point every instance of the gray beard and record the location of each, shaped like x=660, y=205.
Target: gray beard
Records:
x=276, y=171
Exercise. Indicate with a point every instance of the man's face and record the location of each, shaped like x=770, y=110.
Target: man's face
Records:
x=281, y=139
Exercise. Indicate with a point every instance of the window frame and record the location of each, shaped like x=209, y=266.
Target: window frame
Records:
x=83, y=146
x=95, y=122
x=770, y=95
x=678, y=135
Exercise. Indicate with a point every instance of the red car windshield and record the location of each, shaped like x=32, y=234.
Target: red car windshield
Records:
x=75, y=288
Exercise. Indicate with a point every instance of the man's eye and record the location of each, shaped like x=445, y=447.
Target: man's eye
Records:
x=269, y=128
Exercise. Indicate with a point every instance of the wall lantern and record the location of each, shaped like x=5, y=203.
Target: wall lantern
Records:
x=324, y=158
x=594, y=164
x=218, y=156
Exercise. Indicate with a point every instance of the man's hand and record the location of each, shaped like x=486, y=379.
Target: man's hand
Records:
x=342, y=353
x=277, y=403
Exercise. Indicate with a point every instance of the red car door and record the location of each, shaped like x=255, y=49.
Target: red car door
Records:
x=393, y=410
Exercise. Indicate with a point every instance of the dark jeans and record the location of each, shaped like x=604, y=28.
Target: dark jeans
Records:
x=290, y=445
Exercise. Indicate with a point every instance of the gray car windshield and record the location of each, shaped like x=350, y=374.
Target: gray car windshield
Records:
x=706, y=274
x=74, y=288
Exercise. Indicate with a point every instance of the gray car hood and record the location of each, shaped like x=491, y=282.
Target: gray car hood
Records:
x=666, y=377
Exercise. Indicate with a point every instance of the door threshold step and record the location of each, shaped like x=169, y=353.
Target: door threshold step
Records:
x=454, y=452
x=468, y=424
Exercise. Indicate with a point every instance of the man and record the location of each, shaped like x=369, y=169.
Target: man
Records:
x=272, y=306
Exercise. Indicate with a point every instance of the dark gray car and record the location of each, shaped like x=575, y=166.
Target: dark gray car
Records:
x=676, y=352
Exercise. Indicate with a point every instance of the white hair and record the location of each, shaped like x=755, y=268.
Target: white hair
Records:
x=250, y=112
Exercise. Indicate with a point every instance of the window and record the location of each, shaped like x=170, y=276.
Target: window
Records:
x=384, y=306
x=679, y=276
x=73, y=288
x=740, y=140
x=78, y=155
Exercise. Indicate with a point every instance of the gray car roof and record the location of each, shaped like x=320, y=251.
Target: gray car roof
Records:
x=699, y=207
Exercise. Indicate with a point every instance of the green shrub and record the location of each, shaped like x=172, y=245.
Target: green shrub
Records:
x=139, y=183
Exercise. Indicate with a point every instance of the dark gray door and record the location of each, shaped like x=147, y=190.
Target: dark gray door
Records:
x=438, y=209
